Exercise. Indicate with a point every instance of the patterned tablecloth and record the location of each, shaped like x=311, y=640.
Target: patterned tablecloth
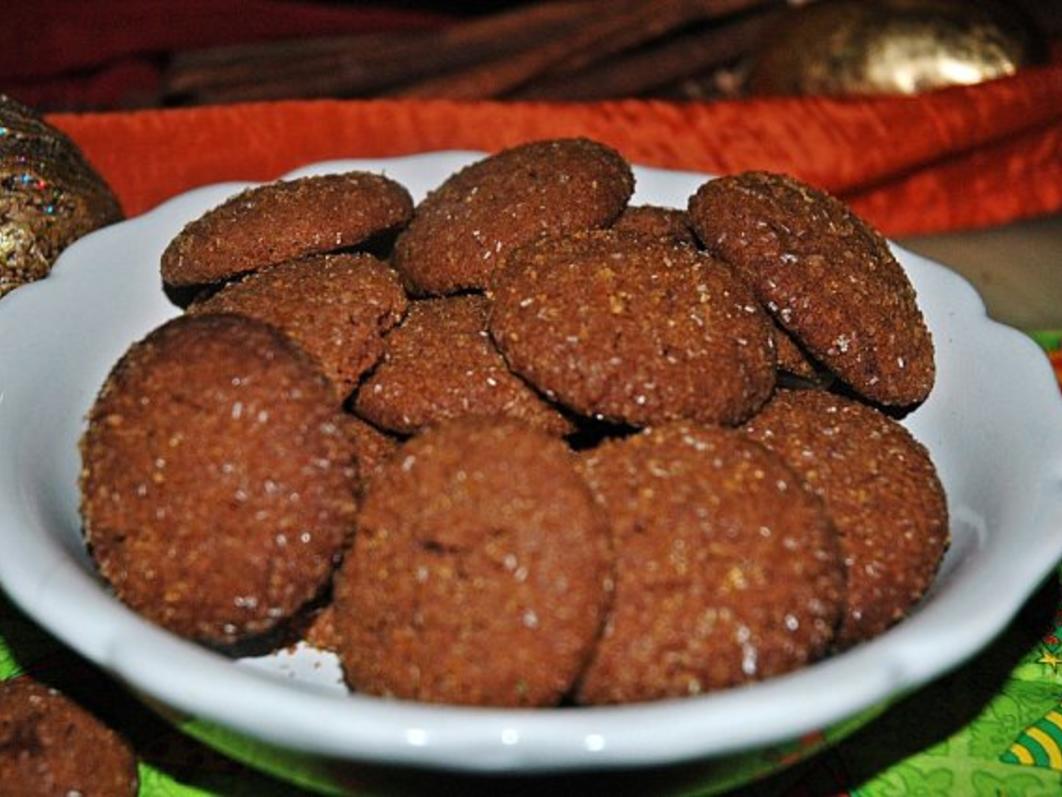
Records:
x=992, y=728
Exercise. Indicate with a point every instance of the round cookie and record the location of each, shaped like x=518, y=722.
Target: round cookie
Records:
x=217, y=487
x=632, y=329
x=462, y=231
x=826, y=276
x=480, y=571
x=441, y=364
x=285, y=220
x=881, y=491
x=336, y=307
x=51, y=746
x=727, y=571
x=659, y=222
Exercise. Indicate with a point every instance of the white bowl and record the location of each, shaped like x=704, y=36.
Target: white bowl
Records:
x=993, y=425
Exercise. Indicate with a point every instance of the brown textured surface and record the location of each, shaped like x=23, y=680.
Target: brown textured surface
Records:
x=321, y=632
x=337, y=307
x=282, y=221
x=441, y=364
x=881, y=491
x=49, y=195
x=372, y=448
x=216, y=486
x=633, y=329
x=462, y=232
x=668, y=223
x=790, y=358
x=51, y=747
x=479, y=573
x=726, y=570
x=826, y=276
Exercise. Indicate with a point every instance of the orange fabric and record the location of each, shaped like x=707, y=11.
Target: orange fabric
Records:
x=957, y=158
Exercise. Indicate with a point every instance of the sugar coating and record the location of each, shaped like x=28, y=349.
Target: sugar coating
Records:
x=727, y=571
x=217, y=487
x=880, y=489
x=336, y=307
x=441, y=364
x=49, y=745
x=285, y=220
x=632, y=329
x=826, y=276
x=480, y=571
x=463, y=230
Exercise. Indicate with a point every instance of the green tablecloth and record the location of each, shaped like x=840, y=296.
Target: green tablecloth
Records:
x=992, y=728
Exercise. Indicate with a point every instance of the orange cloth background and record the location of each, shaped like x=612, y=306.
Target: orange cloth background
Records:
x=957, y=158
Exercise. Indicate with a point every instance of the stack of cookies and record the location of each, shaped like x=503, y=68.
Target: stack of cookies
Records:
x=527, y=443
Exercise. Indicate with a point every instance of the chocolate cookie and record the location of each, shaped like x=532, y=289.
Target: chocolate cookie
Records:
x=880, y=489
x=826, y=276
x=281, y=221
x=441, y=364
x=479, y=573
x=336, y=307
x=217, y=491
x=462, y=232
x=668, y=223
x=631, y=329
x=51, y=746
x=727, y=571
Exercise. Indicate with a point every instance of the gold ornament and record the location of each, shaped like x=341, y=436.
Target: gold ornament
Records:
x=49, y=195
x=891, y=47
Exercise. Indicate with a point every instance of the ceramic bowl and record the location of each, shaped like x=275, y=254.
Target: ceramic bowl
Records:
x=993, y=425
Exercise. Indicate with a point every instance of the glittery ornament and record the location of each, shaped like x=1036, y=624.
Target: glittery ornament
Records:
x=892, y=47
x=49, y=195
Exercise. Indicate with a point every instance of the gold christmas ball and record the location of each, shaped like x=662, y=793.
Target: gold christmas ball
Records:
x=891, y=47
x=49, y=195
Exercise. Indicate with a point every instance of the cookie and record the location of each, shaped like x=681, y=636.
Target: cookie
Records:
x=792, y=360
x=49, y=746
x=727, y=571
x=321, y=632
x=634, y=330
x=826, y=276
x=881, y=490
x=480, y=571
x=336, y=307
x=462, y=232
x=668, y=223
x=217, y=487
x=372, y=448
x=441, y=364
x=285, y=220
